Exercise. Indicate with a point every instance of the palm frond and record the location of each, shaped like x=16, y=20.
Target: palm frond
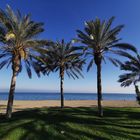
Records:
x=125, y=46
x=90, y=64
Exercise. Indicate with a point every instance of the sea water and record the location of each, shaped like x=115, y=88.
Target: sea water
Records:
x=68, y=96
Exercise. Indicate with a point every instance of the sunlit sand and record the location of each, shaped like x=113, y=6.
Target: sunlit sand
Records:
x=21, y=105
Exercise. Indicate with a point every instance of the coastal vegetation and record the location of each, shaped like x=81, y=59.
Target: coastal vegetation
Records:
x=64, y=58
x=20, y=48
x=101, y=41
x=132, y=69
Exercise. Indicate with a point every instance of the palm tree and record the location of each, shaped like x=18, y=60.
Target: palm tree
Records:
x=62, y=57
x=132, y=66
x=101, y=39
x=18, y=46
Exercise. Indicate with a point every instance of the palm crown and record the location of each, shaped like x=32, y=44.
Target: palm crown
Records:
x=100, y=39
x=61, y=56
x=132, y=66
x=17, y=34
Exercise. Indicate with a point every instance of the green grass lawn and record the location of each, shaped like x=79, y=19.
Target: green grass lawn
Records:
x=76, y=123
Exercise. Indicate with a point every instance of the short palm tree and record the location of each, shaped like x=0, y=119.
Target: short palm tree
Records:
x=18, y=46
x=132, y=66
x=66, y=59
x=101, y=39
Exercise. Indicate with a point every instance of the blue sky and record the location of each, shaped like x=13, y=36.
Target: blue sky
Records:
x=62, y=18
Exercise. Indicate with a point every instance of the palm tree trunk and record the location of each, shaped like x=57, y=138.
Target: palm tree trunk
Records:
x=15, y=68
x=99, y=89
x=61, y=86
x=137, y=93
x=11, y=96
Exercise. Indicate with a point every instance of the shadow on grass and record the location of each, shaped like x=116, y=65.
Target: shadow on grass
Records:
x=71, y=124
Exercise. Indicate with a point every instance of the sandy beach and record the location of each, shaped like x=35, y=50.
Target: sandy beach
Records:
x=22, y=104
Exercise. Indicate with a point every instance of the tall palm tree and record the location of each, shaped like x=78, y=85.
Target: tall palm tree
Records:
x=101, y=39
x=65, y=58
x=18, y=46
x=132, y=66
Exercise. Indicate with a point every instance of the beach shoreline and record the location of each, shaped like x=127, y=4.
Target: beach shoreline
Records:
x=20, y=105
